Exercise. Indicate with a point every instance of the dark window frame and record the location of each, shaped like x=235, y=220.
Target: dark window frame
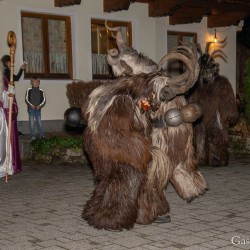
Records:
x=111, y=23
x=45, y=42
x=180, y=35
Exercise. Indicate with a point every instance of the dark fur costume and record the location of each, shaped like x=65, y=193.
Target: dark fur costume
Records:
x=118, y=143
x=177, y=143
x=134, y=161
x=218, y=103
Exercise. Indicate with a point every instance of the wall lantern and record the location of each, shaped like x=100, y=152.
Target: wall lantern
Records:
x=215, y=37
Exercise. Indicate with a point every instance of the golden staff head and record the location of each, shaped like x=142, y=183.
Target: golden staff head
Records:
x=11, y=40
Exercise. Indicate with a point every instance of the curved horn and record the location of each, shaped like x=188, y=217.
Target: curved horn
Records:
x=119, y=38
x=223, y=41
x=219, y=53
x=192, y=55
x=187, y=47
x=207, y=47
x=181, y=83
x=199, y=49
x=187, y=51
x=209, y=43
x=190, y=50
x=111, y=28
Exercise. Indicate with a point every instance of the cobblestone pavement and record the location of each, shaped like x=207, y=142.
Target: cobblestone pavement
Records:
x=41, y=208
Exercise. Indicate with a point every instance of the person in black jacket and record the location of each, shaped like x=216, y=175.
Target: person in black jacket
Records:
x=35, y=100
x=6, y=63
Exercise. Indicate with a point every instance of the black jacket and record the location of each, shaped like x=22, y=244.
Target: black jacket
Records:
x=35, y=97
x=15, y=77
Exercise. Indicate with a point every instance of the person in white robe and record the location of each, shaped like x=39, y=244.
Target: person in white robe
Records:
x=4, y=130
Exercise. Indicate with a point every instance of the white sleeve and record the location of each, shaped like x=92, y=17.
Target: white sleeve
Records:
x=5, y=99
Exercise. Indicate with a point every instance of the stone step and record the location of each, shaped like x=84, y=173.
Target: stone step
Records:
x=68, y=156
x=237, y=145
x=24, y=147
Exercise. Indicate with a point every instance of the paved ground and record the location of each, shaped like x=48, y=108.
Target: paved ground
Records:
x=41, y=208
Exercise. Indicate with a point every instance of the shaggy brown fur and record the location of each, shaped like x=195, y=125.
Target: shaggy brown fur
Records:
x=118, y=143
x=219, y=107
x=176, y=142
x=133, y=162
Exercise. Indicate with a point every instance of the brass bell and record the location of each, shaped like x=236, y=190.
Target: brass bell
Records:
x=191, y=112
x=173, y=117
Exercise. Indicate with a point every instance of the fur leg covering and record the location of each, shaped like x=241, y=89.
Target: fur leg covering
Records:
x=200, y=141
x=120, y=153
x=114, y=203
x=188, y=184
x=152, y=200
x=217, y=100
x=186, y=178
x=178, y=146
x=217, y=142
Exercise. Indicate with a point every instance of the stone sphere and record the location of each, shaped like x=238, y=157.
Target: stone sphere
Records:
x=73, y=117
x=191, y=112
x=173, y=117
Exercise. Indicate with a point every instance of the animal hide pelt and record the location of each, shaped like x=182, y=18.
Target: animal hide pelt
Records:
x=119, y=146
x=218, y=103
x=133, y=159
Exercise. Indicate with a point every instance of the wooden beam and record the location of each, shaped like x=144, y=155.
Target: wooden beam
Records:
x=219, y=12
x=144, y=1
x=160, y=8
x=225, y=19
x=184, y=19
x=114, y=5
x=61, y=3
x=189, y=13
x=233, y=2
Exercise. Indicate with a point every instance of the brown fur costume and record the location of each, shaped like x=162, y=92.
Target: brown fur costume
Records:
x=215, y=95
x=132, y=161
x=176, y=142
x=119, y=146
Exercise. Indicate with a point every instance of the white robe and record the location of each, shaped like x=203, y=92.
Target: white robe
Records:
x=3, y=147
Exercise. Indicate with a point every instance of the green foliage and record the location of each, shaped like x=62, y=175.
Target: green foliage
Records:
x=55, y=144
x=247, y=90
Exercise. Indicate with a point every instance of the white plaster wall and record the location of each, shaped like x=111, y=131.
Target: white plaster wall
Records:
x=144, y=39
x=149, y=37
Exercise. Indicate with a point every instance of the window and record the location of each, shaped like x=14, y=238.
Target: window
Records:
x=102, y=40
x=47, y=46
x=175, y=39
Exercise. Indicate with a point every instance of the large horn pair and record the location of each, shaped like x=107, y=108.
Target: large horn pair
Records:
x=209, y=43
x=119, y=38
x=181, y=83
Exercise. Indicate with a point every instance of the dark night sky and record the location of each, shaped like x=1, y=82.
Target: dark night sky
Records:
x=243, y=37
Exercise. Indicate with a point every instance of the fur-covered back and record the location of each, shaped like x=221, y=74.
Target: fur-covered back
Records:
x=136, y=87
x=218, y=103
